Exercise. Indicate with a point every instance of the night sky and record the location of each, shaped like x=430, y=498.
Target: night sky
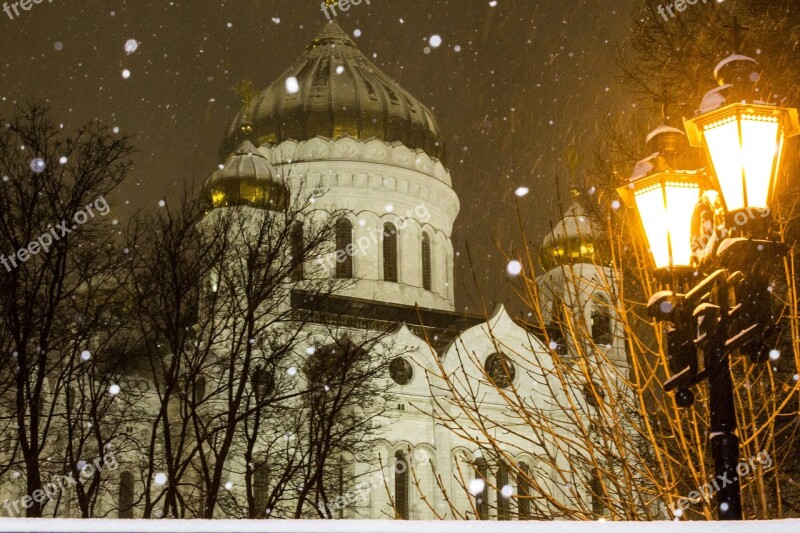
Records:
x=530, y=85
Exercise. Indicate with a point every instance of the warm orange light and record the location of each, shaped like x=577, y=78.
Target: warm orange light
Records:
x=745, y=144
x=665, y=203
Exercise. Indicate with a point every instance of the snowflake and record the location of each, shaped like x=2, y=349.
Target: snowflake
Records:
x=476, y=486
x=38, y=165
x=514, y=268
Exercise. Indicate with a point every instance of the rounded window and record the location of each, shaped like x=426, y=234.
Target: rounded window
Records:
x=401, y=371
x=500, y=370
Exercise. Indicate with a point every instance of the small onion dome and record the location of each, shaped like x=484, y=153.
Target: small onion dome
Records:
x=333, y=90
x=246, y=178
x=572, y=239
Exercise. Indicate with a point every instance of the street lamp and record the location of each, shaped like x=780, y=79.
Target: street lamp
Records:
x=664, y=200
x=729, y=310
x=744, y=143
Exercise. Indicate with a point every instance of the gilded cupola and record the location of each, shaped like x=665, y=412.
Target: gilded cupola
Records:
x=572, y=239
x=332, y=91
x=246, y=178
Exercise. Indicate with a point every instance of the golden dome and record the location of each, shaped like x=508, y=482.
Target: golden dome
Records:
x=571, y=240
x=246, y=178
x=332, y=91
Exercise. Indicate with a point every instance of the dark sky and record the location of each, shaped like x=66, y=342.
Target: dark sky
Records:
x=530, y=84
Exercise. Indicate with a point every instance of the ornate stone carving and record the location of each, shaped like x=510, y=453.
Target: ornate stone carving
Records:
x=351, y=149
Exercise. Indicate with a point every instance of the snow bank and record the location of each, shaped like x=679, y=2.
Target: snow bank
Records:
x=386, y=526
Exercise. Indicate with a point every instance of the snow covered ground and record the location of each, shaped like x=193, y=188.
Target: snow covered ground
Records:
x=387, y=526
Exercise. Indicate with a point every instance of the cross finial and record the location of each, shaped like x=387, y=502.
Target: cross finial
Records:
x=737, y=30
x=246, y=91
x=665, y=100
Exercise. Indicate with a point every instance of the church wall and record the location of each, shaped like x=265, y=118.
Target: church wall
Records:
x=379, y=183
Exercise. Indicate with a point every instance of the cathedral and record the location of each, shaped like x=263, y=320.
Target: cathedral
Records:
x=333, y=120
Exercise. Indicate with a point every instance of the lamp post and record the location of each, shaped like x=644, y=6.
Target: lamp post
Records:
x=730, y=309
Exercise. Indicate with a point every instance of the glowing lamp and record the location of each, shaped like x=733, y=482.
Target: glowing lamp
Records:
x=744, y=143
x=664, y=203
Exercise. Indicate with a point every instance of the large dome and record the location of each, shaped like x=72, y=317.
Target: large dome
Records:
x=338, y=92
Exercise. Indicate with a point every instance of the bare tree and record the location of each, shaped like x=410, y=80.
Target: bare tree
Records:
x=53, y=300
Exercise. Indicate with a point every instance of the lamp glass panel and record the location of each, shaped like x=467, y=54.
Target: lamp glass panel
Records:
x=760, y=146
x=724, y=147
x=681, y=201
x=653, y=214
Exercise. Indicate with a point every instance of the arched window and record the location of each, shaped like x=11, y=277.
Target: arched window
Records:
x=70, y=399
x=448, y=271
x=482, y=498
x=125, y=504
x=298, y=251
x=260, y=489
x=263, y=383
x=524, y=491
x=596, y=488
x=199, y=389
x=426, y=262
x=401, y=481
x=340, y=485
x=601, y=321
x=503, y=506
x=344, y=241
x=390, y=254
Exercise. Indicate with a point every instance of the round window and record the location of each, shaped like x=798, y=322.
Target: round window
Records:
x=401, y=371
x=500, y=369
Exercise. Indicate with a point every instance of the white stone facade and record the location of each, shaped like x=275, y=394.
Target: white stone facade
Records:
x=375, y=183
